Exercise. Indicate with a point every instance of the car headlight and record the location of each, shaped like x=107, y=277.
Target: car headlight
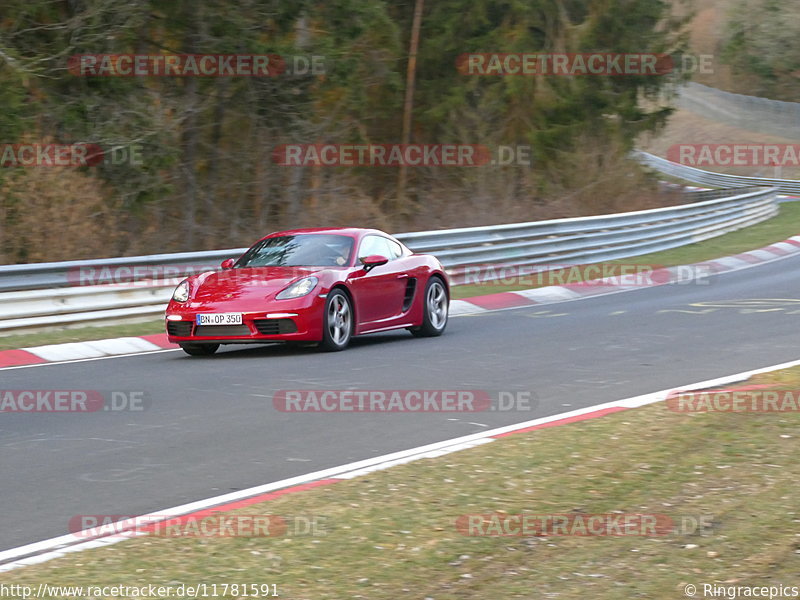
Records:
x=181, y=293
x=299, y=288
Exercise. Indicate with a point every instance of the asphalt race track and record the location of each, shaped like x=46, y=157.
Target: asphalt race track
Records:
x=211, y=427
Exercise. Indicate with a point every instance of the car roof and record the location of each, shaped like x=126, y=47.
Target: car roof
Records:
x=348, y=231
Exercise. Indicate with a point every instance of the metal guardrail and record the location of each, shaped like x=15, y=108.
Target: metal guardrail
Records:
x=55, y=294
x=723, y=180
x=41, y=276
x=753, y=113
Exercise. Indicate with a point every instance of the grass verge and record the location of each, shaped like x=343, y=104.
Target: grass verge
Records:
x=391, y=534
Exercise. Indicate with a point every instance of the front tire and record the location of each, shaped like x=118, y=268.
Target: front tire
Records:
x=435, y=309
x=337, y=326
x=199, y=349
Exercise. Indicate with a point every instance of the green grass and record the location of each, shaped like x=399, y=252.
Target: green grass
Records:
x=783, y=226
x=391, y=534
x=83, y=334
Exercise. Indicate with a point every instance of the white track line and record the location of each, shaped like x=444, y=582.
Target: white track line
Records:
x=59, y=546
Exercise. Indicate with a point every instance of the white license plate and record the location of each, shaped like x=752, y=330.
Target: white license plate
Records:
x=219, y=319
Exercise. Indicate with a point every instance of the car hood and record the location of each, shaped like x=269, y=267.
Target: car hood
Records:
x=246, y=283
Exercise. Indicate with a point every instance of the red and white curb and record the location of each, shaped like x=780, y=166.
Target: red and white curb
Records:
x=600, y=287
x=59, y=547
x=84, y=350
x=479, y=304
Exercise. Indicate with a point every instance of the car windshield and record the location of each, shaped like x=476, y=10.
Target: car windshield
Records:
x=306, y=250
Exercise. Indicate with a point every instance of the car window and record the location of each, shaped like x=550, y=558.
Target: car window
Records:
x=323, y=250
x=375, y=244
x=395, y=249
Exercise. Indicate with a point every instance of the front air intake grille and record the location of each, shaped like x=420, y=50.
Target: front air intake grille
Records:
x=222, y=330
x=275, y=326
x=179, y=328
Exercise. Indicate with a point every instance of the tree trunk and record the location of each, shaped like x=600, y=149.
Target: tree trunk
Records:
x=408, y=104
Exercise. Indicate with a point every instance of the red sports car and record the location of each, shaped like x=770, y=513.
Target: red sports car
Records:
x=321, y=285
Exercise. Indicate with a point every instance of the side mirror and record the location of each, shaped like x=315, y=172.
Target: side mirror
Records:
x=228, y=263
x=373, y=260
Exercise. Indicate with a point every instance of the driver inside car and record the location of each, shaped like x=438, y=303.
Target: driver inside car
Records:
x=341, y=253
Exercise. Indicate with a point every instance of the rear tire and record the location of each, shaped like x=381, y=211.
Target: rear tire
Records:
x=436, y=305
x=199, y=349
x=337, y=324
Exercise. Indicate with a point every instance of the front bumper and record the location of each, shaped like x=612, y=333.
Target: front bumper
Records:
x=281, y=321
